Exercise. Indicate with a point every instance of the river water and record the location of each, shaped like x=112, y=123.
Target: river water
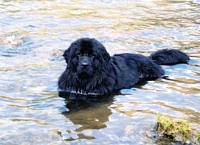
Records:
x=33, y=36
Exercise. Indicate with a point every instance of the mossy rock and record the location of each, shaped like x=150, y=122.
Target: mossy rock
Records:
x=198, y=137
x=177, y=130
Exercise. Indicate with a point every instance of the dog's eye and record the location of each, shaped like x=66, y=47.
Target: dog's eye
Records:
x=78, y=53
x=92, y=55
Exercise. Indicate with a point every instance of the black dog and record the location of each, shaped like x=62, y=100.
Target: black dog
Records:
x=92, y=71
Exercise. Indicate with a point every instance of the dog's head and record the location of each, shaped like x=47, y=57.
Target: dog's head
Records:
x=86, y=57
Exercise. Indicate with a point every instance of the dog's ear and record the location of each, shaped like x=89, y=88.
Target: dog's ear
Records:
x=66, y=55
x=104, y=54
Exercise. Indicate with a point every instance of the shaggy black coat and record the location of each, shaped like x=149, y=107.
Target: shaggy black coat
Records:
x=92, y=71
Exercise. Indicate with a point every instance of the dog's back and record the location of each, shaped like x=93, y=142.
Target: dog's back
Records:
x=131, y=68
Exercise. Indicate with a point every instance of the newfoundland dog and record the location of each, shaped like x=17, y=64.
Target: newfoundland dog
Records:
x=92, y=71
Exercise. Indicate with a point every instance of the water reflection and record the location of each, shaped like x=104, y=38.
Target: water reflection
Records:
x=90, y=114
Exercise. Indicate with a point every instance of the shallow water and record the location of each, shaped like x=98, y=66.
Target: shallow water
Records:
x=33, y=36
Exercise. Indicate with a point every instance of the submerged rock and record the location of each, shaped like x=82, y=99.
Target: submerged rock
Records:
x=12, y=40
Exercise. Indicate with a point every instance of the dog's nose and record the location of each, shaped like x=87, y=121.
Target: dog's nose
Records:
x=84, y=64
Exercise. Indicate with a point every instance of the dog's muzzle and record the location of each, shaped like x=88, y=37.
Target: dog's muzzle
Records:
x=84, y=67
x=84, y=62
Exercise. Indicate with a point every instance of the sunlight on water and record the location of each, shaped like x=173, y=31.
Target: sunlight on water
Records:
x=33, y=36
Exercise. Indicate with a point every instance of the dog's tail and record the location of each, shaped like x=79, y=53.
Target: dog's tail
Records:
x=169, y=57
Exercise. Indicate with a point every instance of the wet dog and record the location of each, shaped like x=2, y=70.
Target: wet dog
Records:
x=92, y=71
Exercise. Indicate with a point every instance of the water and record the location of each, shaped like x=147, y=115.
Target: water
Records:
x=33, y=36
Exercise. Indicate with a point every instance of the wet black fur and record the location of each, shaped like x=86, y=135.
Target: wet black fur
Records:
x=169, y=57
x=92, y=71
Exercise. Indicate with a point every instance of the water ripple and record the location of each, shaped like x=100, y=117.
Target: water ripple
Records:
x=35, y=34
